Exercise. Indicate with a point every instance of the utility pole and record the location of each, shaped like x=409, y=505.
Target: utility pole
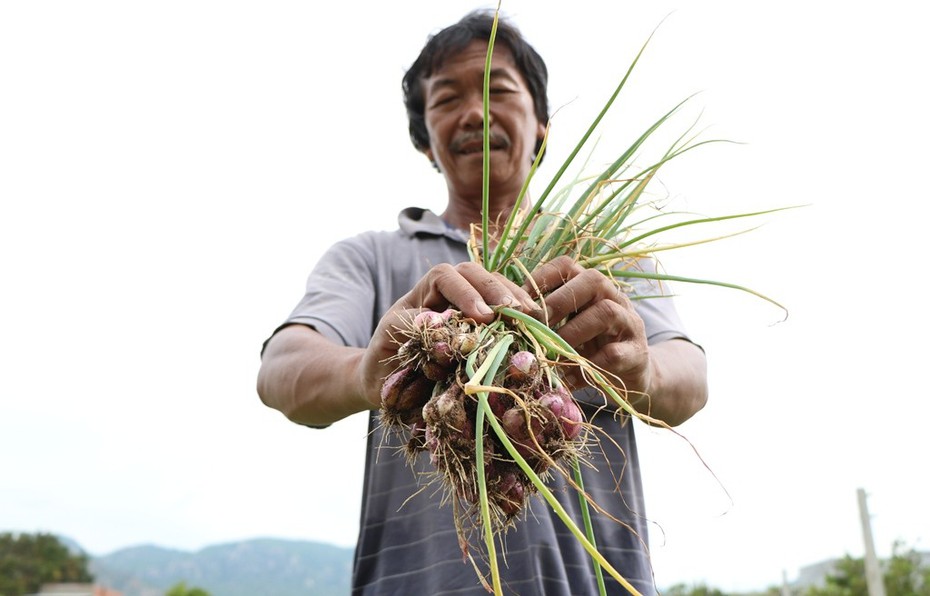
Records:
x=785, y=590
x=873, y=571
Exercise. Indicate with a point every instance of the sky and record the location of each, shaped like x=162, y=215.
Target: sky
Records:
x=171, y=171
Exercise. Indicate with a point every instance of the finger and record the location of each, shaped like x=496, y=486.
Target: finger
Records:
x=386, y=338
x=443, y=286
x=602, y=322
x=626, y=362
x=468, y=287
x=551, y=275
x=578, y=293
x=496, y=289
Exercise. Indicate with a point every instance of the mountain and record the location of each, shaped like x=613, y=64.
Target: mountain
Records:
x=261, y=566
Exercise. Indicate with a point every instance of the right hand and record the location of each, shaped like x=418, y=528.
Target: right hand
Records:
x=467, y=287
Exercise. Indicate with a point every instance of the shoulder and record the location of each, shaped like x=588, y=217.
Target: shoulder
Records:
x=412, y=223
x=420, y=234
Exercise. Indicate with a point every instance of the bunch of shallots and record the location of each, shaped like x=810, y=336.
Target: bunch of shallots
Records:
x=432, y=401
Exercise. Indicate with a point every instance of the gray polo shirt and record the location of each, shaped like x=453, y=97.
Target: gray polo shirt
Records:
x=407, y=541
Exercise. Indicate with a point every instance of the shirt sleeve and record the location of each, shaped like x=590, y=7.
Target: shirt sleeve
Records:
x=339, y=297
x=654, y=303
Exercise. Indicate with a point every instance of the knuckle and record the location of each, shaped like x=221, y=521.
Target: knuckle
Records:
x=564, y=262
x=613, y=353
x=442, y=270
x=592, y=276
x=612, y=316
x=621, y=297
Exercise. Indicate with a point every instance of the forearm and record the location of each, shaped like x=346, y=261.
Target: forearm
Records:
x=310, y=379
x=677, y=382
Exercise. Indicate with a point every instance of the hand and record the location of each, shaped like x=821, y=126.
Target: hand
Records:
x=597, y=319
x=468, y=287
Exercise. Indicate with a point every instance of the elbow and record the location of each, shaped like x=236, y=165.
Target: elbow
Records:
x=682, y=390
x=690, y=406
x=269, y=388
x=694, y=397
x=278, y=375
x=263, y=389
x=279, y=391
x=679, y=412
x=266, y=394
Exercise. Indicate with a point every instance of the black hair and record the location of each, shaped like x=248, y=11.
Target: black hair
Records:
x=453, y=39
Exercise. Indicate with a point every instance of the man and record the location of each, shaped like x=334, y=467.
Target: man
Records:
x=330, y=357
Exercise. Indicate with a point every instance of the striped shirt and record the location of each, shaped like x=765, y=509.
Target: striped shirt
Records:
x=407, y=541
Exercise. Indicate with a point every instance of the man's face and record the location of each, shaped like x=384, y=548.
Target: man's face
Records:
x=454, y=121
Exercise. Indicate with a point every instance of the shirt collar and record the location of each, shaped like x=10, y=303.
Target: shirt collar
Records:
x=415, y=221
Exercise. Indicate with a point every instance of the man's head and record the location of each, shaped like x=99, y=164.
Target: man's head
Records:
x=455, y=39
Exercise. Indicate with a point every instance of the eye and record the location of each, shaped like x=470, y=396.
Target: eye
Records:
x=443, y=99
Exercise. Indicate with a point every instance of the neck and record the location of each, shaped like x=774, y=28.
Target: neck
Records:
x=462, y=215
x=462, y=212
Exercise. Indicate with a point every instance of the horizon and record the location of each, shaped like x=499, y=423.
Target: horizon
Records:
x=798, y=577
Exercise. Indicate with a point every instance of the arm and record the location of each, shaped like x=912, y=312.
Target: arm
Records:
x=677, y=386
x=310, y=379
x=666, y=380
x=313, y=381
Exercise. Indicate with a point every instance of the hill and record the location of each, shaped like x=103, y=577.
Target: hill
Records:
x=260, y=566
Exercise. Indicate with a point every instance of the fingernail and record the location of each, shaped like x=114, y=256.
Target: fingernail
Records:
x=530, y=307
x=537, y=313
x=509, y=301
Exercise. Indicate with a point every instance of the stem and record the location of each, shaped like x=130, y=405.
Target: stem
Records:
x=483, y=496
x=479, y=383
x=488, y=368
x=486, y=145
x=588, y=526
x=506, y=234
x=584, y=139
x=555, y=505
x=493, y=360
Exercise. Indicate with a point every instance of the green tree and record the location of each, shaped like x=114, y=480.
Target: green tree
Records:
x=29, y=560
x=181, y=589
x=904, y=575
x=848, y=579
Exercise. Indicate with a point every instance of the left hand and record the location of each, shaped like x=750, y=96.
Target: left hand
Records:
x=599, y=322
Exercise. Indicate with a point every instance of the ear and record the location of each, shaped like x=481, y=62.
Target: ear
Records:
x=428, y=152
x=540, y=132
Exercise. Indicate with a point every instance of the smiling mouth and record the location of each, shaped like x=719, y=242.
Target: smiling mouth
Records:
x=471, y=144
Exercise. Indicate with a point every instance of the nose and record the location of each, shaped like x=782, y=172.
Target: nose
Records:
x=473, y=112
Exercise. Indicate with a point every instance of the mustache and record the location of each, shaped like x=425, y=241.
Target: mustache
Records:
x=495, y=139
